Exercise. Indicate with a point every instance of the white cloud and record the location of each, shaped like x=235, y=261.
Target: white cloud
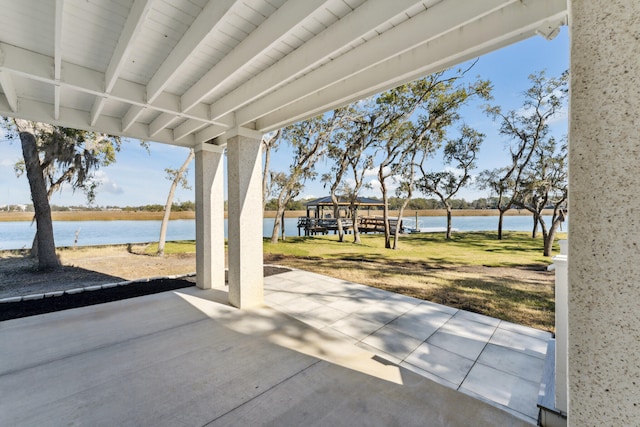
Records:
x=373, y=172
x=106, y=184
x=7, y=163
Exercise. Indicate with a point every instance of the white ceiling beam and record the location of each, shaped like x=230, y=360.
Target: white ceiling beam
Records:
x=31, y=65
x=96, y=109
x=503, y=27
x=207, y=21
x=131, y=116
x=9, y=90
x=273, y=29
x=57, y=54
x=132, y=28
x=161, y=122
x=186, y=128
x=209, y=133
x=343, y=32
x=437, y=20
x=41, y=111
x=57, y=39
x=57, y=93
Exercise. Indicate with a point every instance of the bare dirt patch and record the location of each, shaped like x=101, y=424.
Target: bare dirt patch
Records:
x=86, y=267
x=91, y=266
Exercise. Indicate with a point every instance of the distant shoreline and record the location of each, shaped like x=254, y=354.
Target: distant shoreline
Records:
x=150, y=216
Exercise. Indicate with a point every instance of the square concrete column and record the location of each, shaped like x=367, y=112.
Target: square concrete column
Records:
x=210, y=261
x=244, y=169
x=604, y=213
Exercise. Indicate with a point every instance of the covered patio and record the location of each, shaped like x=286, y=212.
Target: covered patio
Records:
x=216, y=75
x=324, y=352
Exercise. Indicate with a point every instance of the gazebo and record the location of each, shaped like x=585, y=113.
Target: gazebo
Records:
x=317, y=221
x=316, y=207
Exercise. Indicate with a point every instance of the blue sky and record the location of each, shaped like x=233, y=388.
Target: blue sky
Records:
x=138, y=177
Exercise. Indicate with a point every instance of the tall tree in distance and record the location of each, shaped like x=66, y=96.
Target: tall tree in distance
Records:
x=270, y=143
x=461, y=153
x=527, y=128
x=54, y=156
x=416, y=118
x=308, y=139
x=545, y=184
x=177, y=177
x=350, y=148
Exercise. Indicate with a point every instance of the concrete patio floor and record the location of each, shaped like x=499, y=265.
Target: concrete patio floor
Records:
x=493, y=360
x=187, y=358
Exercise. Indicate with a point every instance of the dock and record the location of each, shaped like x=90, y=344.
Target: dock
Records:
x=314, y=226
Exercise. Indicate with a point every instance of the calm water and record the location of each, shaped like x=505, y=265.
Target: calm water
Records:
x=17, y=235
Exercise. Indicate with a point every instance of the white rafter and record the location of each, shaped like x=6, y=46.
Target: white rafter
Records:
x=35, y=66
x=324, y=53
x=9, y=90
x=205, y=23
x=187, y=128
x=57, y=55
x=327, y=43
x=131, y=30
x=41, y=111
x=280, y=23
x=505, y=26
x=161, y=122
x=427, y=26
x=131, y=116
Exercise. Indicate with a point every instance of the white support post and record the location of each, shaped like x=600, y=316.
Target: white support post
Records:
x=210, y=257
x=604, y=225
x=562, y=328
x=244, y=165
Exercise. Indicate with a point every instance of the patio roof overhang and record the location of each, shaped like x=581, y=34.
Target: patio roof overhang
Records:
x=184, y=72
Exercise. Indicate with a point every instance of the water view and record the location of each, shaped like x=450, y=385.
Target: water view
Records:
x=19, y=234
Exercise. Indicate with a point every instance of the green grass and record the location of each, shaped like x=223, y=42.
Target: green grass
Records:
x=174, y=247
x=477, y=248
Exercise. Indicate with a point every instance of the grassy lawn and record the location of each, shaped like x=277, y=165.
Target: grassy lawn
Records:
x=504, y=279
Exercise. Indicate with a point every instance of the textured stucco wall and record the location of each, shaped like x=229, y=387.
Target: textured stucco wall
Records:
x=244, y=170
x=210, y=253
x=604, y=213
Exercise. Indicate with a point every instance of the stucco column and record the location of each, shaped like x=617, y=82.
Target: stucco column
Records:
x=244, y=169
x=562, y=325
x=209, y=216
x=604, y=213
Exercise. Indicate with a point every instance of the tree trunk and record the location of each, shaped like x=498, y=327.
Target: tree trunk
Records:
x=385, y=215
x=396, y=236
x=534, y=231
x=167, y=206
x=33, y=253
x=47, y=258
x=336, y=215
x=546, y=237
x=265, y=175
x=548, y=241
x=282, y=225
x=276, y=223
x=448, y=221
x=500, y=218
x=356, y=231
